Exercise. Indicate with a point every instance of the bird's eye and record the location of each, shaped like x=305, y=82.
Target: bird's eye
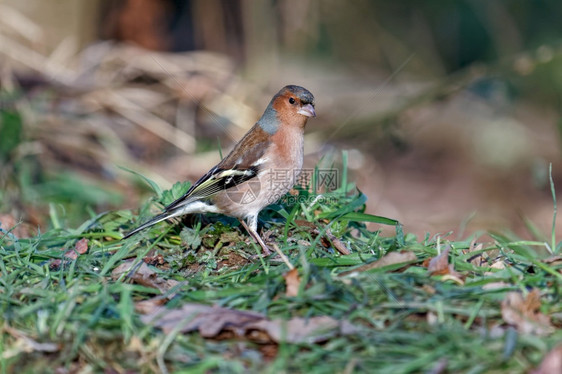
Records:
x=291, y=100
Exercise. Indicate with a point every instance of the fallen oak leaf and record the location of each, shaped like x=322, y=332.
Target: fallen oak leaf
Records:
x=210, y=321
x=292, y=282
x=394, y=259
x=524, y=314
x=304, y=330
x=144, y=275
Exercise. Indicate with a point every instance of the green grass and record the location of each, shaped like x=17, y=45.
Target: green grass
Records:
x=77, y=316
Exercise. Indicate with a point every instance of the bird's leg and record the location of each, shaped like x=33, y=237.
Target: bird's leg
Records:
x=251, y=228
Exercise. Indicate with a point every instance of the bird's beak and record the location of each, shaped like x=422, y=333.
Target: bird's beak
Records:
x=307, y=110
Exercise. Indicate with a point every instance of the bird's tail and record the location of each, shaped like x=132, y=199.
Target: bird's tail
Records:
x=153, y=221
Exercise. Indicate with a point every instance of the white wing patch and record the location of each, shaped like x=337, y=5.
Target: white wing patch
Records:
x=260, y=161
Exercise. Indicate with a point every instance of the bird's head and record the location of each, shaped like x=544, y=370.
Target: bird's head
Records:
x=292, y=106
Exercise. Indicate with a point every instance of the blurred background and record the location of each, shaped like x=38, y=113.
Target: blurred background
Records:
x=450, y=111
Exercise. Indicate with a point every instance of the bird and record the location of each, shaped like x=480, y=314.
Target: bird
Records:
x=261, y=168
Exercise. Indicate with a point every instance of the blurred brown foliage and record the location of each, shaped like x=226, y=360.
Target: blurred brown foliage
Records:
x=449, y=109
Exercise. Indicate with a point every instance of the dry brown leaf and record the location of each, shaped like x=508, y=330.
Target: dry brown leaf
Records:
x=80, y=248
x=150, y=305
x=533, y=301
x=299, y=330
x=16, y=228
x=551, y=363
x=499, y=264
x=292, y=282
x=29, y=344
x=54, y=264
x=440, y=266
x=477, y=259
x=331, y=240
x=211, y=321
x=337, y=243
x=391, y=258
x=71, y=254
x=524, y=313
x=207, y=319
x=154, y=260
x=144, y=275
x=303, y=223
x=554, y=260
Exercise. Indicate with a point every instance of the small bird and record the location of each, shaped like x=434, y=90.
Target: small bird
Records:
x=261, y=168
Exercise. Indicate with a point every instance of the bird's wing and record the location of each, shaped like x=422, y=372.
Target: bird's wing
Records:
x=214, y=181
x=242, y=164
